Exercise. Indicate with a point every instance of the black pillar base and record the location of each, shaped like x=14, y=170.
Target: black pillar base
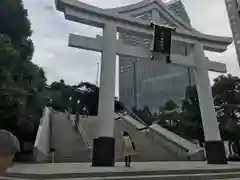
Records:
x=215, y=152
x=103, y=152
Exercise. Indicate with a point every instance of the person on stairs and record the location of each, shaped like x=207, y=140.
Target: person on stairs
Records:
x=128, y=148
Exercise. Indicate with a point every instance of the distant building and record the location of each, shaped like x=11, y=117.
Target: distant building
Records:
x=143, y=82
x=233, y=8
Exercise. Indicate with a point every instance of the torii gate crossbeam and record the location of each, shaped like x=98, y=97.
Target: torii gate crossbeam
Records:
x=81, y=12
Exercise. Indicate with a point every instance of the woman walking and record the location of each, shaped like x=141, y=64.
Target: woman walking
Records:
x=128, y=148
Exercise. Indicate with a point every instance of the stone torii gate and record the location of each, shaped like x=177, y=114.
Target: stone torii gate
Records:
x=109, y=46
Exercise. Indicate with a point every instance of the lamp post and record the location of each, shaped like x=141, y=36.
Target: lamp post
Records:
x=69, y=107
x=77, y=114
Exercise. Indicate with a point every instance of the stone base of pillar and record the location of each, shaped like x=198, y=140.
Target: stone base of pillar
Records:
x=103, y=152
x=215, y=152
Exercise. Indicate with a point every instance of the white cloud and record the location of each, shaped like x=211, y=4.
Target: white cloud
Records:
x=51, y=30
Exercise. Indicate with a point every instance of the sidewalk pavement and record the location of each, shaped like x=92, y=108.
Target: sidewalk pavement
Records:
x=84, y=168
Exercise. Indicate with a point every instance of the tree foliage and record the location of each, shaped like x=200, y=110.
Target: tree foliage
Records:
x=226, y=94
x=145, y=114
x=22, y=82
x=185, y=119
x=86, y=93
x=15, y=24
x=192, y=120
x=169, y=114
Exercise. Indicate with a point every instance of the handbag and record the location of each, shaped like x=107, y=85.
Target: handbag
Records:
x=133, y=146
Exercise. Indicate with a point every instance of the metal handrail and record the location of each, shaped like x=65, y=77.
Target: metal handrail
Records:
x=131, y=113
x=85, y=138
x=82, y=132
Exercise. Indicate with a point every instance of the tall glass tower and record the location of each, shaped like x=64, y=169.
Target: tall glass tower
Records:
x=233, y=8
x=143, y=82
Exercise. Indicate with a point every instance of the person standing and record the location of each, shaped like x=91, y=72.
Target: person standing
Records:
x=128, y=148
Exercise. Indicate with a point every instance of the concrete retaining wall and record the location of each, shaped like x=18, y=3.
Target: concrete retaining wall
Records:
x=42, y=143
x=174, y=143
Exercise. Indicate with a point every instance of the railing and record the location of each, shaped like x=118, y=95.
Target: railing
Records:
x=157, y=130
x=78, y=127
x=84, y=136
x=132, y=114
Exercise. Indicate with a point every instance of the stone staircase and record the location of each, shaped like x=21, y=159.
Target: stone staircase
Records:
x=147, y=149
x=67, y=142
x=71, y=144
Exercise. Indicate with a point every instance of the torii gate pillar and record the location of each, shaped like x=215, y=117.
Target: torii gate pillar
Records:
x=104, y=144
x=215, y=150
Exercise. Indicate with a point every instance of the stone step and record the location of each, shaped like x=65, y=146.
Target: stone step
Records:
x=68, y=142
x=146, y=149
x=73, y=156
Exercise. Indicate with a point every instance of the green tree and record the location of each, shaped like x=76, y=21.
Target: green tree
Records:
x=60, y=94
x=145, y=115
x=15, y=24
x=169, y=114
x=192, y=121
x=90, y=97
x=226, y=94
x=22, y=82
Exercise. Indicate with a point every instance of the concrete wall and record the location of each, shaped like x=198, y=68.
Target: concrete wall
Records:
x=176, y=144
x=42, y=142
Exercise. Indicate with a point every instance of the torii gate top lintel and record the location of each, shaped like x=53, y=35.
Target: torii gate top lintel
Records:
x=87, y=14
x=139, y=6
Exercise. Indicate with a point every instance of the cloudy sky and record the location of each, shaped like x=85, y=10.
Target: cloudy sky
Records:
x=51, y=30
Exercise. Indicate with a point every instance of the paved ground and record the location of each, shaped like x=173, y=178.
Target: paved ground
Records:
x=86, y=167
x=120, y=178
x=138, y=171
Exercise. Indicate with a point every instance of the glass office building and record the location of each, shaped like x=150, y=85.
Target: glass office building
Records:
x=144, y=82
